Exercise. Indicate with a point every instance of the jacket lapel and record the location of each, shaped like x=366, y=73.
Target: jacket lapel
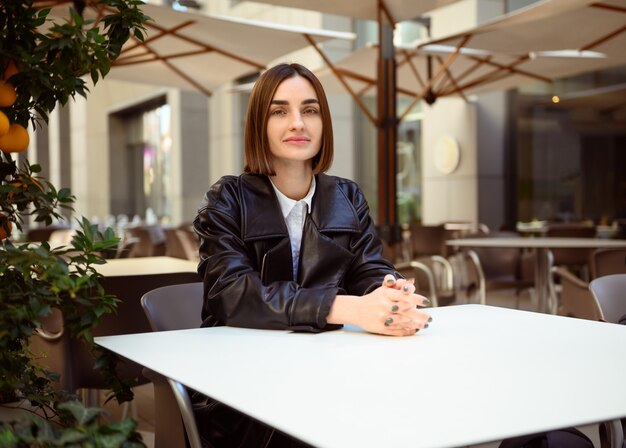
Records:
x=332, y=211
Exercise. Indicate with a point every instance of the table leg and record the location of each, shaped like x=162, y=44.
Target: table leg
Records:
x=541, y=279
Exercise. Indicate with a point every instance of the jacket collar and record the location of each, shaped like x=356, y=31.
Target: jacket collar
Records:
x=262, y=217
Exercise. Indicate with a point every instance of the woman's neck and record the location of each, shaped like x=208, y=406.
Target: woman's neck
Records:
x=294, y=184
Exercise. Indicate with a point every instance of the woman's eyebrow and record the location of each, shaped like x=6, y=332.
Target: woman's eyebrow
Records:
x=286, y=103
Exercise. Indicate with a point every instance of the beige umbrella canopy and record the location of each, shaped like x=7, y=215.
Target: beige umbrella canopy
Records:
x=397, y=10
x=197, y=51
x=539, y=43
x=545, y=41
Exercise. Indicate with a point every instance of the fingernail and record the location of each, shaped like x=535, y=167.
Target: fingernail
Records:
x=430, y=319
x=395, y=308
x=425, y=326
x=388, y=321
x=417, y=329
x=405, y=288
x=426, y=302
x=391, y=280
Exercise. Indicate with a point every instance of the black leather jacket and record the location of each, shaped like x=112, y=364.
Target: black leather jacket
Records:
x=245, y=254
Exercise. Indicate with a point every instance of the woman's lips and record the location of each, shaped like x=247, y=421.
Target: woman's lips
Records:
x=297, y=140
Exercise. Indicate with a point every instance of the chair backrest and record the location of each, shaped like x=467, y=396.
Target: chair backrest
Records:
x=428, y=240
x=610, y=292
x=607, y=262
x=174, y=307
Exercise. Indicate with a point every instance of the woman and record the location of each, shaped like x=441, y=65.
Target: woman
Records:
x=285, y=246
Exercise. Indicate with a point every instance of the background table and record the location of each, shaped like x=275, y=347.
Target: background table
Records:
x=146, y=266
x=478, y=374
x=541, y=246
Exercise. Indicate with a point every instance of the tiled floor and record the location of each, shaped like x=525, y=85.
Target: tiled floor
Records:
x=143, y=411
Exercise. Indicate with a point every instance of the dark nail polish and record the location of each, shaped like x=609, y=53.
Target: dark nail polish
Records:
x=430, y=319
x=390, y=281
x=425, y=326
x=426, y=302
x=388, y=321
x=394, y=308
x=405, y=288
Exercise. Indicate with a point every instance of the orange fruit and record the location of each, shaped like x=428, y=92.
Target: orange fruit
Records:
x=9, y=70
x=7, y=94
x=15, y=140
x=4, y=124
x=5, y=227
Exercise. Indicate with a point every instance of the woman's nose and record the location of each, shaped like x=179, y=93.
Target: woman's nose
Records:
x=296, y=121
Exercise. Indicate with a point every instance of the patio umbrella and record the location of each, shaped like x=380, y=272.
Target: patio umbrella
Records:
x=198, y=51
x=544, y=41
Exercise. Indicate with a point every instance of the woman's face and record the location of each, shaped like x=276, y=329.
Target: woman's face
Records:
x=294, y=128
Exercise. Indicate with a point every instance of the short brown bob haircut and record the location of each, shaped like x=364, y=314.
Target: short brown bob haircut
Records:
x=257, y=154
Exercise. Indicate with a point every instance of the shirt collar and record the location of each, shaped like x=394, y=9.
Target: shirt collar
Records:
x=286, y=204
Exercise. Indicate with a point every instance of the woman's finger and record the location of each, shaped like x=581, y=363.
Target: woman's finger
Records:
x=389, y=281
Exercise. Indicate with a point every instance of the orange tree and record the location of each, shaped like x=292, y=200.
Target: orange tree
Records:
x=43, y=63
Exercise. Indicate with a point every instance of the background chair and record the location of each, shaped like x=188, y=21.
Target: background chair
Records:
x=174, y=307
x=505, y=268
x=610, y=292
x=573, y=293
x=70, y=357
x=576, y=260
x=607, y=261
x=573, y=296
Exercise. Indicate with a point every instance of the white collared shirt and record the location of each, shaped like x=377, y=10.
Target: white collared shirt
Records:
x=295, y=213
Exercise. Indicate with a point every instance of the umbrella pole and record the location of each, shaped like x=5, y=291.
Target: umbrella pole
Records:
x=387, y=131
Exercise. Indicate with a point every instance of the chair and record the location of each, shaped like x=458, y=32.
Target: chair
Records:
x=151, y=240
x=575, y=298
x=506, y=268
x=174, y=307
x=607, y=261
x=610, y=292
x=574, y=259
x=428, y=240
x=444, y=280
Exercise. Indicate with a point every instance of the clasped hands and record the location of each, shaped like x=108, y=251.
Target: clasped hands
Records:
x=395, y=309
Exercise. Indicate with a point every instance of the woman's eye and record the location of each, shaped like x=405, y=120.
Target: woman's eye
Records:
x=311, y=111
x=277, y=112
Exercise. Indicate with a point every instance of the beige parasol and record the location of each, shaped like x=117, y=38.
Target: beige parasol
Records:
x=198, y=51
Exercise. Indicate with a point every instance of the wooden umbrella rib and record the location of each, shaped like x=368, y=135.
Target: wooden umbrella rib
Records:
x=604, y=38
x=340, y=78
x=162, y=33
x=212, y=48
x=387, y=13
x=609, y=7
x=409, y=60
x=432, y=80
x=179, y=72
x=128, y=60
x=501, y=71
x=451, y=80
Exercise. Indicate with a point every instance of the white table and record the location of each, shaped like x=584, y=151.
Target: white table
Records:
x=478, y=374
x=146, y=266
x=541, y=246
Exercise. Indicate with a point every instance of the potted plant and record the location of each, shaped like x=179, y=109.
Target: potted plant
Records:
x=41, y=66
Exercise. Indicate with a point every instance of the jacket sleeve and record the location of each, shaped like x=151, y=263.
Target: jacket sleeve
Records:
x=369, y=267
x=233, y=291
